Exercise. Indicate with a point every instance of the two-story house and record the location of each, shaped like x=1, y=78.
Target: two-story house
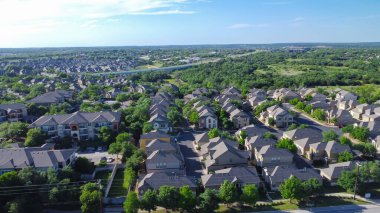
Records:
x=78, y=126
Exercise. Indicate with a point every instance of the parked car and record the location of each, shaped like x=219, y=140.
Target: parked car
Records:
x=110, y=160
x=100, y=149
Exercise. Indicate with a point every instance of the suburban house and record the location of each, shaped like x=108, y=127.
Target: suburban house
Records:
x=333, y=171
x=113, y=93
x=258, y=93
x=239, y=118
x=157, y=179
x=282, y=118
x=340, y=117
x=344, y=95
x=346, y=105
x=160, y=122
x=373, y=127
x=376, y=143
x=13, y=112
x=55, y=97
x=326, y=150
x=40, y=158
x=164, y=146
x=257, y=142
x=251, y=130
x=269, y=156
x=240, y=176
x=219, y=153
x=150, y=136
x=285, y=94
x=372, y=114
x=79, y=125
x=360, y=109
x=207, y=118
x=275, y=176
x=162, y=161
x=301, y=133
x=303, y=144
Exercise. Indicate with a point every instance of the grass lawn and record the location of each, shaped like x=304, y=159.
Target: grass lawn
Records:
x=117, y=189
x=274, y=207
x=336, y=201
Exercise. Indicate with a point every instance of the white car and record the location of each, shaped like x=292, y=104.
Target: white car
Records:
x=110, y=160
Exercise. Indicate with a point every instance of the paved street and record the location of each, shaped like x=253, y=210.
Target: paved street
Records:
x=302, y=119
x=192, y=160
x=336, y=209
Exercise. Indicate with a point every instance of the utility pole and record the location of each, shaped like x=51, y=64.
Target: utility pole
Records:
x=356, y=179
x=100, y=192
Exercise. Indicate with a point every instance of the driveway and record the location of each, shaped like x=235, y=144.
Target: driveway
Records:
x=192, y=160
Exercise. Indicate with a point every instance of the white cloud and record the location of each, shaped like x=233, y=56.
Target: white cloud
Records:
x=32, y=16
x=298, y=21
x=244, y=26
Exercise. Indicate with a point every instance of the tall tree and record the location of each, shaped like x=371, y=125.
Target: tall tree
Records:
x=168, y=197
x=228, y=192
x=208, y=201
x=187, y=199
x=250, y=194
x=90, y=198
x=35, y=137
x=291, y=189
x=148, y=200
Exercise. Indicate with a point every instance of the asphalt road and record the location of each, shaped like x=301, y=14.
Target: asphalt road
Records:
x=192, y=160
x=339, y=209
x=302, y=119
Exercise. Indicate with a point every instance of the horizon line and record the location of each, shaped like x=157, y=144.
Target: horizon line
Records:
x=174, y=45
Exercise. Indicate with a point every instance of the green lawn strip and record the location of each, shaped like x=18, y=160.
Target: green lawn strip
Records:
x=103, y=176
x=117, y=189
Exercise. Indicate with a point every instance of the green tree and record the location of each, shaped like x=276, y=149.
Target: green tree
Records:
x=345, y=156
x=83, y=165
x=187, y=199
x=90, y=198
x=294, y=101
x=344, y=141
x=129, y=177
x=147, y=127
x=105, y=135
x=194, y=117
x=168, y=197
x=347, y=180
x=271, y=121
x=292, y=127
x=208, y=201
x=286, y=143
x=148, y=200
x=311, y=187
x=174, y=116
x=213, y=133
x=35, y=137
x=291, y=189
x=319, y=114
x=228, y=192
x=308, y=108
x=329, y=135
x=131, y=203
x=300, y=106
x=249, y=194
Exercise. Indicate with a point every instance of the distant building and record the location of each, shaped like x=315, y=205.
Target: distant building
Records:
x=39, y=158
x=56, y=97
x=13, y=112
x=78, y=125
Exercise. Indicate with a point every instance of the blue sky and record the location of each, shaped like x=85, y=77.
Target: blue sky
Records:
x=49, y=23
